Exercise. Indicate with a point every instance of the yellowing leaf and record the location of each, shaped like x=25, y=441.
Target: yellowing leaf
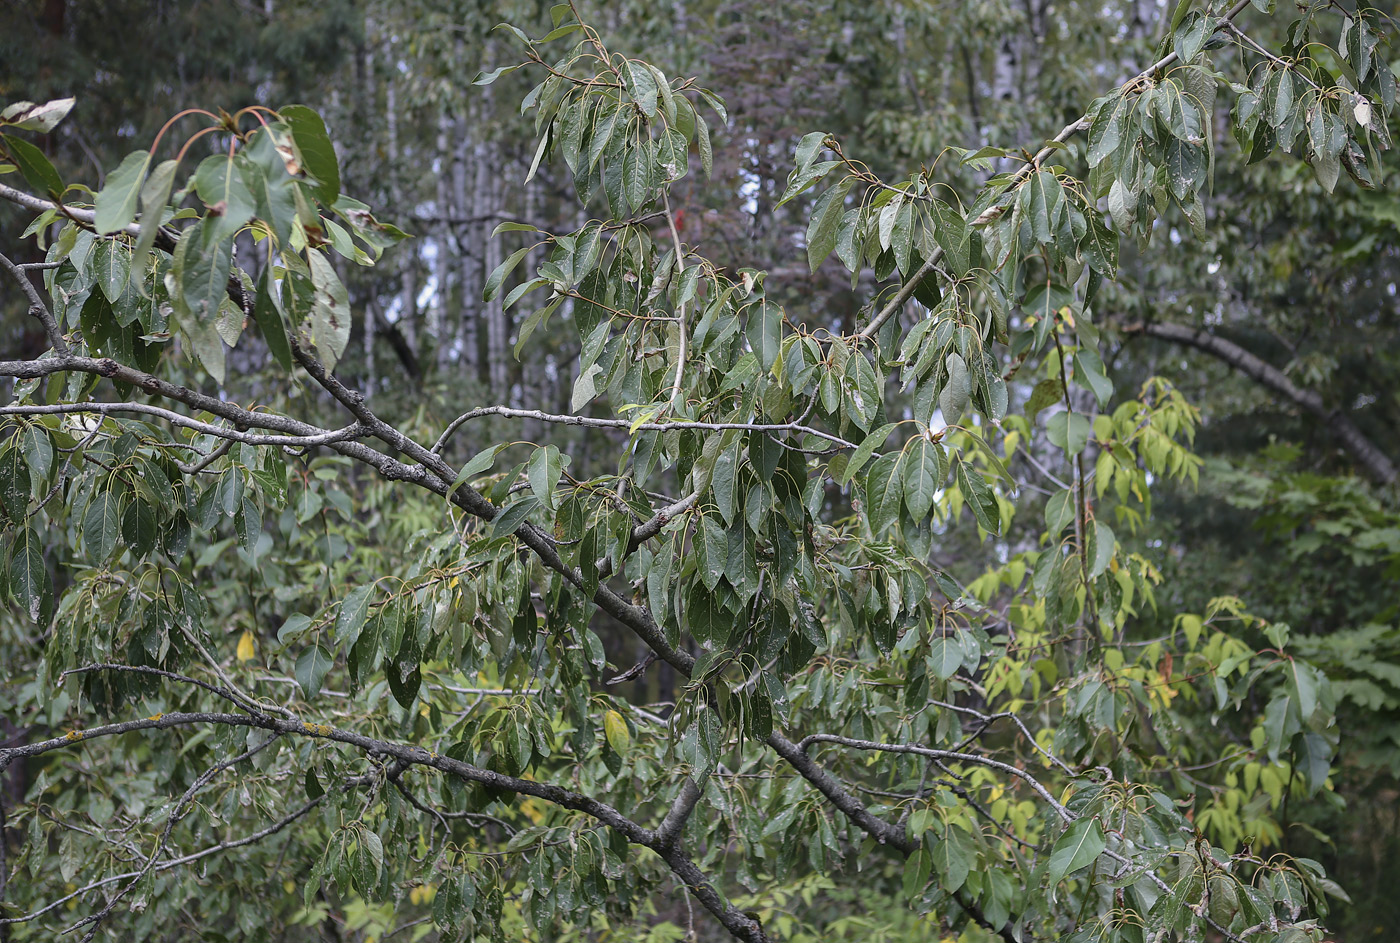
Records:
x=615, y=728
x=247, y=648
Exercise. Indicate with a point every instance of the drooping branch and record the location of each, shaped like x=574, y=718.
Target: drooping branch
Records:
x=917, y=750
x=1022, y=174
x=1377, y=464
x=437, y=476
x=185, y=422
x=37, y=308
x=591, y=422
x=172, y=863
x=740, y=925
x=176, y=814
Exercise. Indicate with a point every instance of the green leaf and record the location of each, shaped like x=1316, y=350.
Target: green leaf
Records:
x=1278, y=97
x=863, y=452
x=273, y=189
x=201, y=273
x=155, y=194
x=15, y=484
x=826, y=218
x=101, y=525
x=916, y=871
x=486, y=78
x=1046, y=393
x=38, y=450
x=1105, y=132
x=1077, y=848
x=957, y=392
x=1070, y=431
x=712, y=545
x=945, y=656
x=501, y=272
x=139, y=529
x=510, y=519
x=1101, y=549
x=404, y=673
x=354, y=612
x=330, y=314
x=884, y=488
x=809, y=147
x=35, y=167
x=296, y=624
x=707, y=155
x=227, y=196
x=924, y=471
x=314, y=148
x=1190, y=36
x=116, y=204
x=1045, y=197
x=479, y=463
x=110, y=264
x=636, y=173
x=951, y=861
x=311, y=668
x=543, y=474
x=641, y=85
x=765, y=332
x=1100, y=246
x=1089, y=369
x=979, y=497
x=1304, y=684
x=29, y=578
x=268, y=314
x=1059, y=512
x=247, y=523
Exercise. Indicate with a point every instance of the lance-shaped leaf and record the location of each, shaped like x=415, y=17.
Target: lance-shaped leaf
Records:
x=1077, y=848
x=116, y=204
x=314, y=150
x=330, y=313
x=27, y=116
x=223, y=190
x=32, y=163
x=311, y=668
x=201, y=273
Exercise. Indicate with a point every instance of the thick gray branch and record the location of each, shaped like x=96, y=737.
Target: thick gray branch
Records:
x=36, y=305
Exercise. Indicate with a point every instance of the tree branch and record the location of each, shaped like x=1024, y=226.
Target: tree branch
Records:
x=1019, y=177
x=37, y=307
x=176, y=815
x=247, y=438
x=258, y=836
x=932, y=753
x=740, y=925
x=599, y=423
x=668, y=832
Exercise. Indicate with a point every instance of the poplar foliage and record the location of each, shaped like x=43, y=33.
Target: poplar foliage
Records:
x=288, y=661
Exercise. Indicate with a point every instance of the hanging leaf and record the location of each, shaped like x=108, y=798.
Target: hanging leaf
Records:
x=314, y=150
x=330, y=314
x=311, y=668
x=116, y=203
x=1076, y=848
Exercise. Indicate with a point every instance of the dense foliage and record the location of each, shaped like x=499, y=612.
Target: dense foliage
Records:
x=587, y=562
